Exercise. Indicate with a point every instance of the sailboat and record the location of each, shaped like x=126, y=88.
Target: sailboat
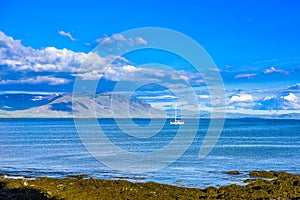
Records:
x=179, y=122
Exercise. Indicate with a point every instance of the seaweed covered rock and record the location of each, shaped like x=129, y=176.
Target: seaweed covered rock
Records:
x=263, y=185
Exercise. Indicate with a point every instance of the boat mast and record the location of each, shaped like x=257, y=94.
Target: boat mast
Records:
x=175, y=113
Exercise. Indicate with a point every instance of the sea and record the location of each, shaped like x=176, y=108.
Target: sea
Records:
x=54, y=148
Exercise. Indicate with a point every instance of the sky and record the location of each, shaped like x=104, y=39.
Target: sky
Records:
x=255, y=45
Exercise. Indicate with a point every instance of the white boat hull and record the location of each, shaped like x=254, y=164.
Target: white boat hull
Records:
x=180, y=122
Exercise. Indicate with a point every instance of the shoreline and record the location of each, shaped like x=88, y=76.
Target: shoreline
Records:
x=262, y=185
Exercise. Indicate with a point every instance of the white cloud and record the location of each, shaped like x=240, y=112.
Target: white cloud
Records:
x=278, y=102
x=214, y=69
x=146, y=75
x=244, y=76
x=118, y=37
x=284, y=101
x=87, y=44
x=115, y=38
x=203, y=96
x=238, y=101
x=67, y=34
x=294, y=88
x=88, y=66
x=162, y=97
x=140, y=40
x=241, y=98
x=267, y=98
x=129, y=73
x=273, y=69
x=20, y=58
x=37, y=80
x=290, y=97
x=92, y=75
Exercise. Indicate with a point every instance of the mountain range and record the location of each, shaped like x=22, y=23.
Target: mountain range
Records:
x=25, y=105
x=64, y=105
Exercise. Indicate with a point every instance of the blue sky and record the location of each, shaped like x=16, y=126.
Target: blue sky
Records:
x=255, y=44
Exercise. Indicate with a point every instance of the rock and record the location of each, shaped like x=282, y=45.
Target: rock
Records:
x=233, y=172
x=80, y=176
x=283, y=186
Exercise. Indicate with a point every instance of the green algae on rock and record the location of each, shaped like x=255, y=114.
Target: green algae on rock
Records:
x=264, y=185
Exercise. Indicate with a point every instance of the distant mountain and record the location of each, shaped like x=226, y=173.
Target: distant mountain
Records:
x=264, y=116
x=289, y=116
x=60, y=105
x=278, y=102
x=25, y=105
x=13, y=102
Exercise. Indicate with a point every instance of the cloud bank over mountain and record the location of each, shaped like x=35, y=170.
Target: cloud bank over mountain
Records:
x=265, y=90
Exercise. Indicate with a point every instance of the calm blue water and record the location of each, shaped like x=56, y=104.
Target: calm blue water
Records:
x=52, y=147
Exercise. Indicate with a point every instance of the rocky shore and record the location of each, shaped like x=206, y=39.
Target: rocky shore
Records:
x=262, y=185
